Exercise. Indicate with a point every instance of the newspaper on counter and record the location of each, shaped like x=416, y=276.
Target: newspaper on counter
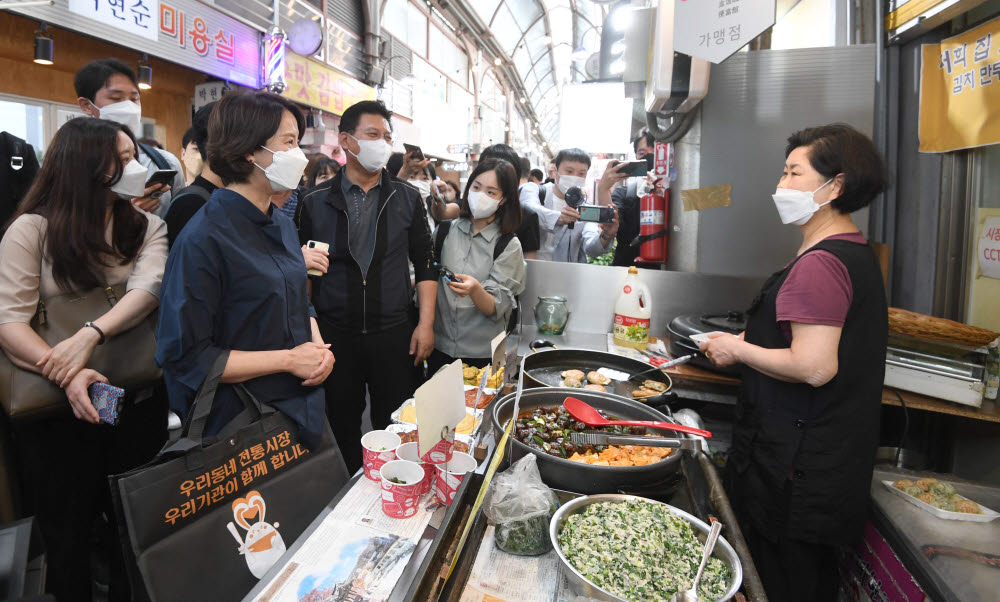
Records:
x=356, y=553
x=501, y=577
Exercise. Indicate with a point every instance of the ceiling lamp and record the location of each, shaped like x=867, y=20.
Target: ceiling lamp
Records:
x=498, y=61
x=44, y=48
x=145, y=73
x=523, y=100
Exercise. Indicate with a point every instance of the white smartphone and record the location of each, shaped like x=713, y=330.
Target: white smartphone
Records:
x=322, y=246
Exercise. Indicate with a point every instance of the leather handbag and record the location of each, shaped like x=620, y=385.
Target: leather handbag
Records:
x=127, y=359
x=210, y=515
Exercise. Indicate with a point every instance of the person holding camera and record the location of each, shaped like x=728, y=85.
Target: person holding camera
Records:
x=563, y=239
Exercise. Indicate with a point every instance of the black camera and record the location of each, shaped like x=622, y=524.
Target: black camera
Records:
x=597, y=213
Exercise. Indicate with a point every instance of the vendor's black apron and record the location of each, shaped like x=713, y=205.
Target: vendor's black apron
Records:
x=802, y=457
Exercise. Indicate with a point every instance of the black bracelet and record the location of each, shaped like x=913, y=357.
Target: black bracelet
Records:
x=98, y=329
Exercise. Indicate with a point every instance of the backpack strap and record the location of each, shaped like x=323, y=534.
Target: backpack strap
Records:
x=158, y=159
x=501, y=244
x=439, y=236
x=193, y=189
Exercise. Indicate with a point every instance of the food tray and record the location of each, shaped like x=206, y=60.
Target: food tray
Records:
x=406, y=428
x=987, y=515
x=409, y=402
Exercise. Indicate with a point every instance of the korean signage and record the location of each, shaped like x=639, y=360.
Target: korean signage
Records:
x=185, y=32
x=137, y=17
x=714, y=29
x=960, y=91
x=314, y=84
x=988, y=249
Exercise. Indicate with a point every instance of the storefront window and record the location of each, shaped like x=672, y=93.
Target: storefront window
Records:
x=405, y=21
x=26, y=121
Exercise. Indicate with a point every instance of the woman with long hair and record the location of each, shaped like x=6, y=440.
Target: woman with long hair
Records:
x=488, y=267
x=76, y=230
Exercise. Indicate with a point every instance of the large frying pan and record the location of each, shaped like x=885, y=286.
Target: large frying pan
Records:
x=545, y=368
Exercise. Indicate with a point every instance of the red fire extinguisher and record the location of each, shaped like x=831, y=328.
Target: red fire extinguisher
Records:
x=653, y=225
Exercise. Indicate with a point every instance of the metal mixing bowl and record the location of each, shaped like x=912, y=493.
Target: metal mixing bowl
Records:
x=723, y=551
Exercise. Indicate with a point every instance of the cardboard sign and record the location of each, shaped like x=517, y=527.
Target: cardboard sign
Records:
x=960, y=91
x=499, y=347
x=440, y=405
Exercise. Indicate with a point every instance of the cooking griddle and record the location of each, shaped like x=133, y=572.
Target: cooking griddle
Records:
x=545, y=368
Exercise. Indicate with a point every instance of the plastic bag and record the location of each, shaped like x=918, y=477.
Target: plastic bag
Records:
x=521, y=506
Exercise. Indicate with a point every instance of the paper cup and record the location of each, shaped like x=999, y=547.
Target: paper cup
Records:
x=378, y=447
x=400, y=500
x=408, y=452
x=440, y=453
x=450, y=475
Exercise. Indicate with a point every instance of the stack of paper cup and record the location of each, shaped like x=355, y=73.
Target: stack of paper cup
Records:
x=378, y=448
x=408, y=451
x=450, y=475
x=400, y=499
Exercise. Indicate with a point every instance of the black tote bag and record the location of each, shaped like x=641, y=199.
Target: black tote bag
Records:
x=205, y=520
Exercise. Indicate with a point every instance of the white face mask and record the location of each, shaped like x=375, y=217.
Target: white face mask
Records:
x=372, y=154
x=285, y=169
x=567, y=182
x=482, y=205
x=797, y=206
x=423, y=187
x=133, y=181
x=125, y=112
x=193, y=163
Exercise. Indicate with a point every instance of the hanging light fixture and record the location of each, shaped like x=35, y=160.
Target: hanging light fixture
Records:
x=145, y=73
x=44, y=48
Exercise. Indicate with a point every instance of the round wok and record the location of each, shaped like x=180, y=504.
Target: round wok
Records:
x=545, y=368
x=561, y=473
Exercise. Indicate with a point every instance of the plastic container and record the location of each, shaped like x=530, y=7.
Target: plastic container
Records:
x=993, y=371
x=632, y=312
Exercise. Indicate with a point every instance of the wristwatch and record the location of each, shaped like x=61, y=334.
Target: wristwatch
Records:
x=98, y=329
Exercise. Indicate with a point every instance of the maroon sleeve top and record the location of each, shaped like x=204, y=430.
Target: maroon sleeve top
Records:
x=818, y=289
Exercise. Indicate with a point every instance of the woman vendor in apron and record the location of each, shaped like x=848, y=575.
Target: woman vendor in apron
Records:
x=813, y=358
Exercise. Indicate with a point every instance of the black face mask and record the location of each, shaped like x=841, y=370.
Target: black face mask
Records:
x=649, y=161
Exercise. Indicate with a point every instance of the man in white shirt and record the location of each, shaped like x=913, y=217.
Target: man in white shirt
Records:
x=108, y=89
x=563, y=239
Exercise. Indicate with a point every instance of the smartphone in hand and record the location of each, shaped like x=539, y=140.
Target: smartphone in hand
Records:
x=414, y=150
x=322, y=246
x=107, y=401
x=161, y=176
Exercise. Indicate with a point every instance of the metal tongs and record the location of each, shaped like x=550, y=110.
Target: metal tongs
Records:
x=598, y=438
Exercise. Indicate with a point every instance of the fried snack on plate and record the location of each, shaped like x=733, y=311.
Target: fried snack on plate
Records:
x=927, y=497
x=643, y=392
x=968, y=507
x=925, y=484
x=409, y=414
x=902, y=484
x=593, y=387
x=596, y=378
x=655, y=385
x=484, y=400
x=466, y=426
x=574, y=374
x=569, y=381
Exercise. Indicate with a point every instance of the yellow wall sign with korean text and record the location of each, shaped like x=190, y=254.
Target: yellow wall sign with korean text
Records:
x=314, y=84
x=960, y=91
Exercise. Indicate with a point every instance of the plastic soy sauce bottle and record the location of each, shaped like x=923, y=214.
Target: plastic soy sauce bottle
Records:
x=632, y=312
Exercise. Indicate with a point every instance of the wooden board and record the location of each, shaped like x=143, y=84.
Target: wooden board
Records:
x=990, y=411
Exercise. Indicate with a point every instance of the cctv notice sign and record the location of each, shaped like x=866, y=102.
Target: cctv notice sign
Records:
x=715, y=29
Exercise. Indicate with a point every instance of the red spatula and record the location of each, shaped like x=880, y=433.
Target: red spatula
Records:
x=586, y=414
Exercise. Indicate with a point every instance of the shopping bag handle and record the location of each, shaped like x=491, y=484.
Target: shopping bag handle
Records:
x=201, y=408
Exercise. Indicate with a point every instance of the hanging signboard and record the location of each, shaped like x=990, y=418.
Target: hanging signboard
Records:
x=185, y=32
x=715, y=29
x=960, y=91
x=317, y=85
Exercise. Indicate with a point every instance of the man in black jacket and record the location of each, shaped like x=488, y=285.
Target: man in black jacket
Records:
x=375, y=225
x=626, y=198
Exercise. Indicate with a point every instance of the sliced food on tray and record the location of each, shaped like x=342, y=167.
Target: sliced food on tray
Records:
x=484, y=399
x=639, y=550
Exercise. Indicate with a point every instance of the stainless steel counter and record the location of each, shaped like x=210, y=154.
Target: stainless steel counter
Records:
x=909, y=528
